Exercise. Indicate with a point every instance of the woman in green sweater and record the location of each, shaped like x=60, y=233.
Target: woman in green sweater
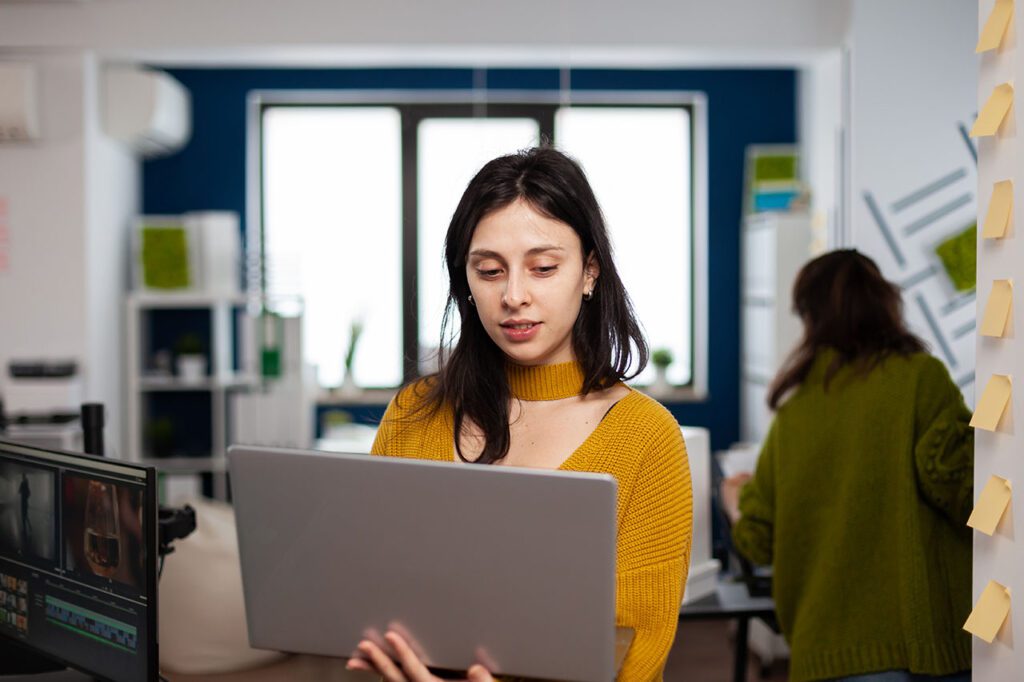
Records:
x=862, y=489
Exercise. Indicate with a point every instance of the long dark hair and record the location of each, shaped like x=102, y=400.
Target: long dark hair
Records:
x=845, y=304
x=606, y=338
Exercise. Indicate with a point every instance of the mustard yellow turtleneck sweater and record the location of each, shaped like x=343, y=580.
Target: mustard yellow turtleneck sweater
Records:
x=640, y=444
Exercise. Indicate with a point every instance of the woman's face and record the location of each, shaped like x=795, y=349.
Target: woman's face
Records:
x=527, y=278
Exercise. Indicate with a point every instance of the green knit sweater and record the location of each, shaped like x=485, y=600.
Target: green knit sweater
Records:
x=859, y=502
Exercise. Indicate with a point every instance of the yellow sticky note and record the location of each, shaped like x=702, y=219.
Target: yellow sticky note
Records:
x=993, y=403
x=991, y=505
x=995, y=28
x=994, y=111
x=1000, y=206
x=997, y=310
x=990, y=612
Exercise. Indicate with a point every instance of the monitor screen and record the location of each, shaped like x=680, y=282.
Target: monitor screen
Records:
x=78, y=554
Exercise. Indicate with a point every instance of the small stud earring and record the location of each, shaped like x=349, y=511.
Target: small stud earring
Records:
x=589, y=295
x=471, y=301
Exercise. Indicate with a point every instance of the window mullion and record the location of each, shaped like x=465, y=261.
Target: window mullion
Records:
x=410, y=243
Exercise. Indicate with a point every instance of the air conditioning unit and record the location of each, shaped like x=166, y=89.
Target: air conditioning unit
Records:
x=19, y=117
x=146, y=109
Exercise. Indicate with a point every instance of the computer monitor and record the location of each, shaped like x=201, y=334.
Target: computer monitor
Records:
x=78, y=557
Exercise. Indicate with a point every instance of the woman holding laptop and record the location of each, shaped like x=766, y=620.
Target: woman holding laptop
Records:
x=535, y=379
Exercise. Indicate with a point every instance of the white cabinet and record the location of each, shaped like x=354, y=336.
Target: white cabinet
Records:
x=775, y=247
x=170, y=415
x=702, y=577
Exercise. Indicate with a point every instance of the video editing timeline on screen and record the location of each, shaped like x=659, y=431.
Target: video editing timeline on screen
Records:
x=84, y=621
x=73, y=562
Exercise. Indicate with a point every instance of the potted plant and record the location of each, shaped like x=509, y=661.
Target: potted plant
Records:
x=355, y=330
x=334, y=421
x=159, y=433
x=661, y=358
x=190, y=360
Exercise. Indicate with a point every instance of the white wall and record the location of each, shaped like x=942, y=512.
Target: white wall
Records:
x=820, y=90
x=913, y=76
x=70, y=197
x=42, y=293
x=112, y=197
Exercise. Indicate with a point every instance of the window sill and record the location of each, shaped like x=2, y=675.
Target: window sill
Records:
x=360, y=396
x=675, y=394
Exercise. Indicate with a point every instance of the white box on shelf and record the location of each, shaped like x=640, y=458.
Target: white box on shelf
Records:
x=703, y=573
x=56, y=436
x=198, y=252
x=43, y=395
x=220, y=250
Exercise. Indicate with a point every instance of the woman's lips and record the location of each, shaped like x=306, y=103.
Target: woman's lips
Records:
x=520, y=332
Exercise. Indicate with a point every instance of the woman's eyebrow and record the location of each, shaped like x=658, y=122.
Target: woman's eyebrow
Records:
x=487, y=253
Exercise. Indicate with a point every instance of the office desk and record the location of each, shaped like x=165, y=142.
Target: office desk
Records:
x=730, y=601
x=300, y=668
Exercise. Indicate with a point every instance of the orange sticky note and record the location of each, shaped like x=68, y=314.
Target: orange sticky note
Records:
x=995, y=27
x=990, y=612
x=997, y=310
x=1000, y=207
x=992, y=404
x=994, y=111
x=991, y=505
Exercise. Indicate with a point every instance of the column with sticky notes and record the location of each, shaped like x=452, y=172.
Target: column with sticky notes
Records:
x=999, y=371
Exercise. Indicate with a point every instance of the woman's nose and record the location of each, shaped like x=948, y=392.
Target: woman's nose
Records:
x=516, y=294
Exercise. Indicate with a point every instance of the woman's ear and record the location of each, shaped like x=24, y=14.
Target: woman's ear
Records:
x=591, y=271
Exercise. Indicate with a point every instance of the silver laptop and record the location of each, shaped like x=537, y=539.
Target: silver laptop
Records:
x=510, y=567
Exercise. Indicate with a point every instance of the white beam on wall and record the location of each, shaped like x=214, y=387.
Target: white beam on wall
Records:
x=260, y=28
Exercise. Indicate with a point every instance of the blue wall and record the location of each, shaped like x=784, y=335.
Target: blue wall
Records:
x=744, y=107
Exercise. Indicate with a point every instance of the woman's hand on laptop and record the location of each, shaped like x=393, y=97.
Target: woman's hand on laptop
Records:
x=409, y=669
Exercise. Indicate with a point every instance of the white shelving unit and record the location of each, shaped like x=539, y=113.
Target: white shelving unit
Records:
x=222, y=380
x=774, y=248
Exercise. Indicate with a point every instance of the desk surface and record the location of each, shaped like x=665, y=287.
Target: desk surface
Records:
x=729, y=600
x=301, y=668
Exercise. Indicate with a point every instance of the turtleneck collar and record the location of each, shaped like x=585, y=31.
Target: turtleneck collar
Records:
x=545, y=382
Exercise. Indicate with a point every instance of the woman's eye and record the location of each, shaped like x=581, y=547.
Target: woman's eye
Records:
x=488, y=274
x=546, y=269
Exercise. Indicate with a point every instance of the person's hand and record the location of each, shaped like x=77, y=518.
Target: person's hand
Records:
x=409, y=668
x=730, y=495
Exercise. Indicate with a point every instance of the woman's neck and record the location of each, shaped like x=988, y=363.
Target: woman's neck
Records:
x=545, y=382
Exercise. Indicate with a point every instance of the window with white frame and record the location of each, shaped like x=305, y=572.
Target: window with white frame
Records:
x=356, y=199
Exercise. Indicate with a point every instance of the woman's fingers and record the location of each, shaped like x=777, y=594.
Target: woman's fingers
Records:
x=381, y=661
x=478, y=673
x=412, y=668
x=411, y=663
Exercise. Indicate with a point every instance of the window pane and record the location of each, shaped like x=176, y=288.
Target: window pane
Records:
x=638, y=162
x=332, y=228
x=451, y=151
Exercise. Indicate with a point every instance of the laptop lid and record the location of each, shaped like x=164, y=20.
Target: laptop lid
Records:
x=510, y=567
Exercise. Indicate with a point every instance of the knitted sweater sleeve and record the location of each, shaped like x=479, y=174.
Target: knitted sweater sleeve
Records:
x=752, y=536
x=399, y=423
x=944, y=444
x=384, y=441
x=654, y=550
